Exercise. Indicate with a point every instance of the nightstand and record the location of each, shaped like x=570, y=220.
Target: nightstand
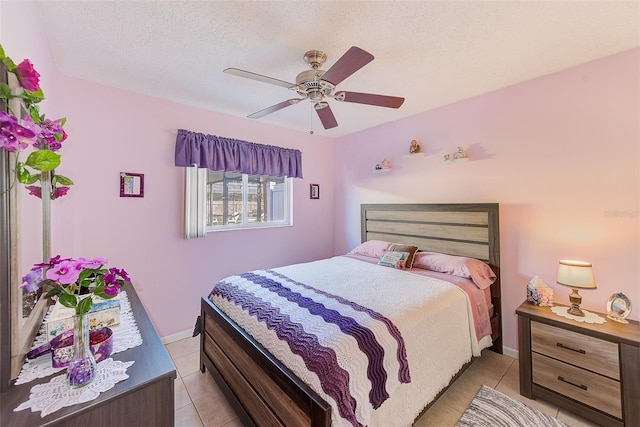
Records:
x=591, y=369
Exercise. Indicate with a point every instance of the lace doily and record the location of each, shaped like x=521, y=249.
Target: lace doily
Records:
x=588, y=316
x=125, y=336
x=56, y=394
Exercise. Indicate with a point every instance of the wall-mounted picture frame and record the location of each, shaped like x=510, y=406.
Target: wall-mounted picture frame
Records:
x=131, y=184
x=314, y=191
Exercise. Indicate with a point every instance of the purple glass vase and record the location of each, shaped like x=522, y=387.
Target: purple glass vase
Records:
x=82, y=366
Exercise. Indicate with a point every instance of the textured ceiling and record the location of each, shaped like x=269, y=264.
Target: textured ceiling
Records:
x=432, y=53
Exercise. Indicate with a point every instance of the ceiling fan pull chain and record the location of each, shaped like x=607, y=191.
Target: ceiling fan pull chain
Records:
x=311, y=118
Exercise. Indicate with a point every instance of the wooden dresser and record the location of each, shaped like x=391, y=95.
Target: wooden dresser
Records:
x=146, y=398
x=590, y=369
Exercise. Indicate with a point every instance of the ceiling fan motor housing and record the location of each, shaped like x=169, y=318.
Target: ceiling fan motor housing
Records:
x=310, y=85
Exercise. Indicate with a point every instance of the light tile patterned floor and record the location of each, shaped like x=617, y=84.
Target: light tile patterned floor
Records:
x=200, y=403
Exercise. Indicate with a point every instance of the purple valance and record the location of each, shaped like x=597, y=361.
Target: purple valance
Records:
x=220, y=153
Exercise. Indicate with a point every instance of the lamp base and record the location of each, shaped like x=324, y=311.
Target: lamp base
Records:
x=575, y=299
x=575, y=310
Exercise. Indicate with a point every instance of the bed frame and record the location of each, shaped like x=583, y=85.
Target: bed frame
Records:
x=263, y=391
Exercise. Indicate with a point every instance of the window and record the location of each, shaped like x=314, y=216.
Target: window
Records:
x=235, y=200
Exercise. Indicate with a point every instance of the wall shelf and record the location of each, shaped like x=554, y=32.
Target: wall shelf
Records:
x=413, y=156
x=464, y=159
x=384, y=170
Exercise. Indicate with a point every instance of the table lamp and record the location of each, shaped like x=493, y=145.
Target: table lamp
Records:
x=577, y=275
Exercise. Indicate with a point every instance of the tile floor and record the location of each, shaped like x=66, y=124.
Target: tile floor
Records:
x=200, y=403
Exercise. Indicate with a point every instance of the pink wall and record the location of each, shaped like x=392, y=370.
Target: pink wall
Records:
x=112, y=131
x=559, y=153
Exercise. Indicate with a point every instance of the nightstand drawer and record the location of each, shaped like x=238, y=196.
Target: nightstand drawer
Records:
x=577, y=349
x=586, y=387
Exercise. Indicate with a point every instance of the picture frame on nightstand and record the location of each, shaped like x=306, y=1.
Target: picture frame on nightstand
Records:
x=618, y=307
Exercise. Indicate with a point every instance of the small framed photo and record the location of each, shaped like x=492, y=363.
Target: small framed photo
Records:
x=131, y=184
x=314, y=192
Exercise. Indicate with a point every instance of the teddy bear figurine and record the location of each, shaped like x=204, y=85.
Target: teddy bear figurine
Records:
x=414, y=147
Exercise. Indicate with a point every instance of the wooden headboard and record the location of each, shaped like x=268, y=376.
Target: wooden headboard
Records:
x=464, y=229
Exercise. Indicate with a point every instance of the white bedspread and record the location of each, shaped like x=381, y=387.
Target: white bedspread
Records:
x=433, y=316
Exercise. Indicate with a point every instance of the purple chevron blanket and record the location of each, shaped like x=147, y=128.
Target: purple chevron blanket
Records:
x=358, y=355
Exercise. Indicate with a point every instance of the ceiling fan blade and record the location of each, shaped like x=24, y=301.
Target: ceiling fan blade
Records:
x=259, y=77
x=274, y=108
x=354, y=59
x=370, y=99
x=326, y=115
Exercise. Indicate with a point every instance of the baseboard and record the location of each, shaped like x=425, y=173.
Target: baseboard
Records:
x=507, y=351
x=177, y=337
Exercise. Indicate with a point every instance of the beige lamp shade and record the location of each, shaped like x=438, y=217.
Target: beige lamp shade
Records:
x=576, y=274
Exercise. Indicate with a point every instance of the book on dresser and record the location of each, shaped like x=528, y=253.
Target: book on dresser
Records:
x=589, y=368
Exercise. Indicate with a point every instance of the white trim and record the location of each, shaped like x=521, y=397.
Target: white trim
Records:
x=177, y=337
x=507, y=351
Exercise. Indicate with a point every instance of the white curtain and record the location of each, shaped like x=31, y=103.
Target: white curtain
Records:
x=194, y=202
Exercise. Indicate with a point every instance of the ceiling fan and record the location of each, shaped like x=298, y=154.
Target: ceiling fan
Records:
x=316, y=85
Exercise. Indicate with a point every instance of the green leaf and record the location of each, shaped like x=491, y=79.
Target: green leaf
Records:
x=36, y=96
x=84, y=305
x=63, y=180
x=99, y=290
x=68, y=300
x=5, y=91
x=9, y=63
x=43, y=160
x=84, y=274
x=52, y=292
x=32, y=179
x=2, y=55
x=23, y=173
x=34, y=112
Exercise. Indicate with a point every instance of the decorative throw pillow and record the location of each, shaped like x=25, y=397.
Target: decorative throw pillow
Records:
x=469, y=268
x=394, y=259
x=371, y=248
x=405, y=248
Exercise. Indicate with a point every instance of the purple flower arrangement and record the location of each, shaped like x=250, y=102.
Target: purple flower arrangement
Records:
x=68, y=279
x=44, y=135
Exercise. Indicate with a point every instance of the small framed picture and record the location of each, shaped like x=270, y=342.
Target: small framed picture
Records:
x=314, y=192
x=131, y=184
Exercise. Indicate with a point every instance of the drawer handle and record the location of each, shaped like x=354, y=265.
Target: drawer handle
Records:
x=582, y=386
x=559, y=344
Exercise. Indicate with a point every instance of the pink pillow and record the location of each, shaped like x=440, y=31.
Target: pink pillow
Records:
x=371, y=248
x=469, y=268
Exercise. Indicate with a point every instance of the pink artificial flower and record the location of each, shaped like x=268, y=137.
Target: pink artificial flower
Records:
x=34, y=191
x=13, y=136
x=66, y=272
x=31, y=282
x=52, y=134
x=28, y=77
x=60, y=191
x=91, y=263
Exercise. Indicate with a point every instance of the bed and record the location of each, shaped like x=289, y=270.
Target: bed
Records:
x=264, y=390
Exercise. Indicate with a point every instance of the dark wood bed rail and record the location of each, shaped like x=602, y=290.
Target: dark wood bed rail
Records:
x=245, y=370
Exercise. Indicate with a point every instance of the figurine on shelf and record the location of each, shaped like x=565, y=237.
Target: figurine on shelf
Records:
x=378, y=167
x=386, y=164
x=460, y=154
x=446, y=158
x=414, y=148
